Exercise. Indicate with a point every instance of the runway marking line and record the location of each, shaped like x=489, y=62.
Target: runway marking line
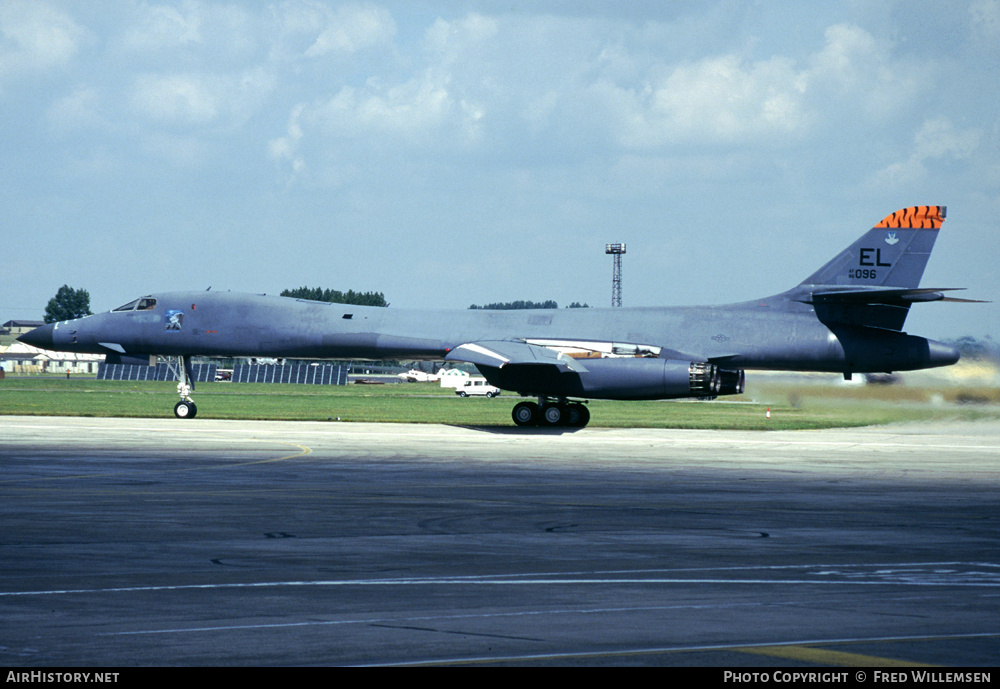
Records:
x=303, y=451
x=574, y=579
x=671, y=650
x=822, y=656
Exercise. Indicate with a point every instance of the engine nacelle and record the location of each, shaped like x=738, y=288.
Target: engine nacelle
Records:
x=732, y=381
x=620, y=379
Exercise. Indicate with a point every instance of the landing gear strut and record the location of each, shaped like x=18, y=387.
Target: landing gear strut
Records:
x=549, y=412
x=185, y=409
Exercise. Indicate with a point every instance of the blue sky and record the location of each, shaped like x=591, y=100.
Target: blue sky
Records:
x=448, y=153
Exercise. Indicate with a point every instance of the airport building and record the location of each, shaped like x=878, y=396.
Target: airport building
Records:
x=23, y=359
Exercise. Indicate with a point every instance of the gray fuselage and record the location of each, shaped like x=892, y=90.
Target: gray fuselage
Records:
x=778, y=333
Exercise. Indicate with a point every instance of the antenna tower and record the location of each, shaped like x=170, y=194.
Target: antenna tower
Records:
x=616, y=250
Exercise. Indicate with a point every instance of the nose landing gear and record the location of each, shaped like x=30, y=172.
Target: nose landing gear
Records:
x=185, y=409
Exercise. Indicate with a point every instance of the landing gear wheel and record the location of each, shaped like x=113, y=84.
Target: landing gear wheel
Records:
x=554, y=415
x=185, y=410
x=525, y=414
x=577, y=415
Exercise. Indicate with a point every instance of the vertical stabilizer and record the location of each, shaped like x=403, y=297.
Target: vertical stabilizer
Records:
x=894, y=253
x=851, y=288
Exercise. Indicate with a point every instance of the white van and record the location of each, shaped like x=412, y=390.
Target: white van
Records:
x=476, y=386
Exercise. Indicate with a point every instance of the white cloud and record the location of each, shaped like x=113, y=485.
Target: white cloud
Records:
x=449, y=41
x=306, y=28
x=80, y=109
x=35, y=37
x=856, y=73
x=419, y=114
x=531, y=86
x=352, y=28
x=180, y=151
x=286, y=148
x=409, y=109
x=190, y=30
x=846, y=59
x=201, y=98
x=164, y=27
x=183, y=98
x=560, y=81
x=985, y=17
x=937, y=140
x=718, y=99
x=730, y=99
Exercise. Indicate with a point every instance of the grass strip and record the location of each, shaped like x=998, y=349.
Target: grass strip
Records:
x=791, y=407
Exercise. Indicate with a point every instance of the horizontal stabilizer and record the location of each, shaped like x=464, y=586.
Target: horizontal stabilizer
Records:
x=896, y=297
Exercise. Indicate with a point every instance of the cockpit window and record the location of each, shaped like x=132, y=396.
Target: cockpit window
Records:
x=128, y=307
x=144, y=304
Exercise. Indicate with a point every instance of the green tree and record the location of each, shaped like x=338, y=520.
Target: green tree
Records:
x=336, y=296
x=68, y=304
x=517, y=305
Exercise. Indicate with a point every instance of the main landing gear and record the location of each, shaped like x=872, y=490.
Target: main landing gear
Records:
x=549, y=412
x=185, y=409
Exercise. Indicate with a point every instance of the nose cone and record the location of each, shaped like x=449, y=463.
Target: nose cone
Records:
x=39, y=337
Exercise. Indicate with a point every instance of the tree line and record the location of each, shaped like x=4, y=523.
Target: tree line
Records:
x=522, y=304
x=336, y=296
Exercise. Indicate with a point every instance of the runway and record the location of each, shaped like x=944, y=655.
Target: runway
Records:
x=136, y=542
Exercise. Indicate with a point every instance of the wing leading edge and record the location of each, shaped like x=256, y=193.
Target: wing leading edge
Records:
x=504, y=353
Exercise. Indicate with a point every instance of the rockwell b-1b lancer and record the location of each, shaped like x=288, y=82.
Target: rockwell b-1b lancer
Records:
x=847, y=317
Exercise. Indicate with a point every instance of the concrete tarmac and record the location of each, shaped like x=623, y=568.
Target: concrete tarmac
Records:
x=137, y=542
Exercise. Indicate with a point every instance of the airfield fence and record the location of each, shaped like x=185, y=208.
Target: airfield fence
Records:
x=303, y=374
x=202, y=372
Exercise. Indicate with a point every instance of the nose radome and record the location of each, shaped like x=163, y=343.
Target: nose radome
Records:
x=39, y=337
